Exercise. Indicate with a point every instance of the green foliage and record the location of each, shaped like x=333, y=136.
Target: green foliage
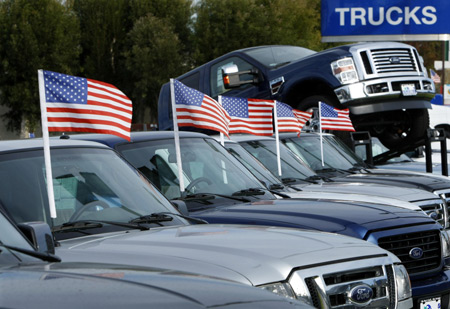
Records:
x=103, y=27
x=225, y=25
x=138, y=45
x=39, y=34
x=153, y=58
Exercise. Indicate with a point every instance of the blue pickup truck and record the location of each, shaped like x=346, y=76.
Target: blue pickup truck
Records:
x=219, y=189
x=384, y=84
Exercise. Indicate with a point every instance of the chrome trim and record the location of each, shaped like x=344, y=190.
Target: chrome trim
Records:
x=439, y=206
x=444, y=194
x=275, y=84
x=358, y=91
x=328, y=286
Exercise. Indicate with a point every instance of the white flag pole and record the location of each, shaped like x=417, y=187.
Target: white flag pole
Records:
x=176, y=137
x=222, y=139
x=320, y=133
x=277, y=138
x=46, y=139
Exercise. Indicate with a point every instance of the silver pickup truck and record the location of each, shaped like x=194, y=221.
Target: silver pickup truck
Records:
x=108, y=212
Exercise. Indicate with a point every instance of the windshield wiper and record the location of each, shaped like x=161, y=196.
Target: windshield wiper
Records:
x=276, y=186
x=276, y=66
x=43, y=256
x=281, y=194
x=249, y=192
x=91, y=224
x=153, y=218
x=333, y=169
x=290, y=180
x=196, y=220
x=206, y=196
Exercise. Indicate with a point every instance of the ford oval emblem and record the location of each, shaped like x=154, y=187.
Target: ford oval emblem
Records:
x=361, y=294
x=416, y=253
x=394, y=60
x=433, y=215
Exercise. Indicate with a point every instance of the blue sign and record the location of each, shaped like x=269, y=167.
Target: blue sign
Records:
x=385, y=19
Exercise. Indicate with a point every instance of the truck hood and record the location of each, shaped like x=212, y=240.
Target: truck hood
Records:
x=356, y=219
x=351, y=197
x=238, y=253
x=356, y=185
x=410, y=179
x=92, y=285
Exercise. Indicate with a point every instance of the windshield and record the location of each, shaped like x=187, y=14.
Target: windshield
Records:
x=89, y=184
x=265, y=151
x=377, y=149
x=207, y=166
x=275, y=56
x=253, y=165
x=309, y=149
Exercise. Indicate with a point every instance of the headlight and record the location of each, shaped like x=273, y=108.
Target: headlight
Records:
x=280, y=288
x=402, y=282
x=445, y=239
x=344, y=70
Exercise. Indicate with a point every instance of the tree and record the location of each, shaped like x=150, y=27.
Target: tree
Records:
x=108, y=46
x=154, y=57
x=222, y=26
x=104, y=25
x=39, y=34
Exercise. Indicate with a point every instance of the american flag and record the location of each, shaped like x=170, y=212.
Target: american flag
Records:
x=77, y=104
x=302, y=117
x=335, y=119
x=196, y=109
x=435, y=77
x=290, y=119
x=252, y=116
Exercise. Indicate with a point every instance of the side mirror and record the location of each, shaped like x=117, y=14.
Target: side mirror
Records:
x=40, y=235
x=232, y=77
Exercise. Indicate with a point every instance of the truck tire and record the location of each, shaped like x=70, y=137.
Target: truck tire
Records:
x=402, y=127
x=309, y=103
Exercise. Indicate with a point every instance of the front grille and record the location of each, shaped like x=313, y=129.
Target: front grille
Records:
x=393, y=60
x=331, y=285
x=401, y=246
x=445, y=196
x=435, y=209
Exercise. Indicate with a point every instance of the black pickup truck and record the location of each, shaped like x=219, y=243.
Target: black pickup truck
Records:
x=384, y=84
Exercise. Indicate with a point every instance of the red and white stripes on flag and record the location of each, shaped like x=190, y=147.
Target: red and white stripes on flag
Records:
x=251, y=116
x=302, y=117
x=77, y=104
x=196, y=109
x=290, y=119
x=334, y=119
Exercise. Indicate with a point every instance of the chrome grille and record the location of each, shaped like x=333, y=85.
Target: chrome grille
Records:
x=330, y=285
x=435, y=209
x=445, y=196
x=393, y=60
x=401, y=245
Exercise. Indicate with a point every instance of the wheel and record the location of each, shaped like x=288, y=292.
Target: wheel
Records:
x=309, y=103
x=85, y=207
x=196, y=182
x=397, y=128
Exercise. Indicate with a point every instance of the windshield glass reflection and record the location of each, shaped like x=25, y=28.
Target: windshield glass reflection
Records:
x=207, y=167
x=89, y=184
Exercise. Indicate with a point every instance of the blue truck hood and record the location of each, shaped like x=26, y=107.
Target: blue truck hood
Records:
x=356, y=219
x=431, y=182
